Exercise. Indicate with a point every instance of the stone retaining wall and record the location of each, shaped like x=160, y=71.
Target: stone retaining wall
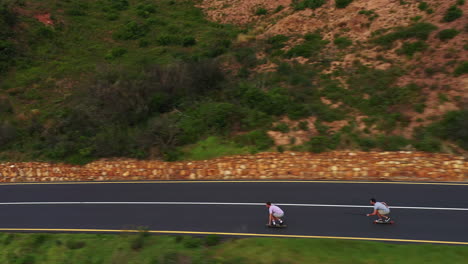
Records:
x=344, y=165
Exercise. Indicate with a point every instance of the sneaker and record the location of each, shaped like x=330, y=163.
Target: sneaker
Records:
x=281, y=223
x=387, y=220
x=379, y=221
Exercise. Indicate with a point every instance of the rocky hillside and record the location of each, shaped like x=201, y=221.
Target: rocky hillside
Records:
x=433, y=51
x=178, y=79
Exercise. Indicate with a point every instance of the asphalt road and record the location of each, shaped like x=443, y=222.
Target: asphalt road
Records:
x=422, y=212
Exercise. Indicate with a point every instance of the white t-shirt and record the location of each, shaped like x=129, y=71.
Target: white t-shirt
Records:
x=381, y=206
x=275, y=210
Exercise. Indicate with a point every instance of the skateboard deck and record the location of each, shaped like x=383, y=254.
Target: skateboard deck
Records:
x=276, y=226
x=384, y=223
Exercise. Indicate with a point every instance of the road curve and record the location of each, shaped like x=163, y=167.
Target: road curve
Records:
x=427, y=212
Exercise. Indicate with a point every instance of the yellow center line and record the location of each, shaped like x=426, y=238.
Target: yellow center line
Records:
x=233, y=234
x=241, y=181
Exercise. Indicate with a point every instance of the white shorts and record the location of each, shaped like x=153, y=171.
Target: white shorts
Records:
x=384, y=212
x=278, y=215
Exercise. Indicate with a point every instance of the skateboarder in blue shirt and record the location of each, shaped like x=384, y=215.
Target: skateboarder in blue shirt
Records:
x=381, y=210
x=275, y=214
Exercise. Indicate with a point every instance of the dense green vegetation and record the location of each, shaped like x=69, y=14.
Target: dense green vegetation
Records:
x=147, y=249
x=139, y=78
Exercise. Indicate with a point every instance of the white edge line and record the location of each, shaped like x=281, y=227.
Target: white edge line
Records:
x=216, y=203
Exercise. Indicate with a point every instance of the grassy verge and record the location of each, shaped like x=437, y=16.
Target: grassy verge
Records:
x=213, y=147
x=142, y=249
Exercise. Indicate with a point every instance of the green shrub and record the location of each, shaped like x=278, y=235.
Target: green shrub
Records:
x=460, y=2
x=143, y=43
x=8, y=239
x=260, y=11
x=75, y=12
x=447, y=34
x=278, y=9
x=342, y=3
x=419, y=31
x=209, y=118
x=130, y=31
x=321, y=128
x=7, y=54
x=428, y=144
x=423, y=6
x=168, y=40
x=379, y=85
x=253, y=118
x=145, y=10
x=273, y=102
x=297, y=111
x=5, y=105
x=246, y=56
x=192, y=242
x=275, y=44
x=366, y=143
x=311, y=46
x=452, y=14
x=281, y=127
x=323, y=143
x=257, y=138
x=453, y=126
x=343, y=42
x=116, y=53
x=217, y=47
x=371, y=15
x=277, y=41
x=391, y=143
x=8, y=18
x=39, y=239
x=212, y=240
x=303, y=4
x=112, y=16
x=75, y=244
x=26, y=259
x=416, y=18
x=410, y=48
x=461, y=69
x=366, y=12
x=137, y=242
x=303, y=125
x=419, y=107
x=119, y=4
x=8, y=133
x=189, y=41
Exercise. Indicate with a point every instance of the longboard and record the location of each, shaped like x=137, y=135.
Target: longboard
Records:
x=384, y=223
x=276, y=226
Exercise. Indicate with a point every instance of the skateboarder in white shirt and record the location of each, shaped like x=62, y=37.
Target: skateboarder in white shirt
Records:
x=380, y=209
x=275, y=214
